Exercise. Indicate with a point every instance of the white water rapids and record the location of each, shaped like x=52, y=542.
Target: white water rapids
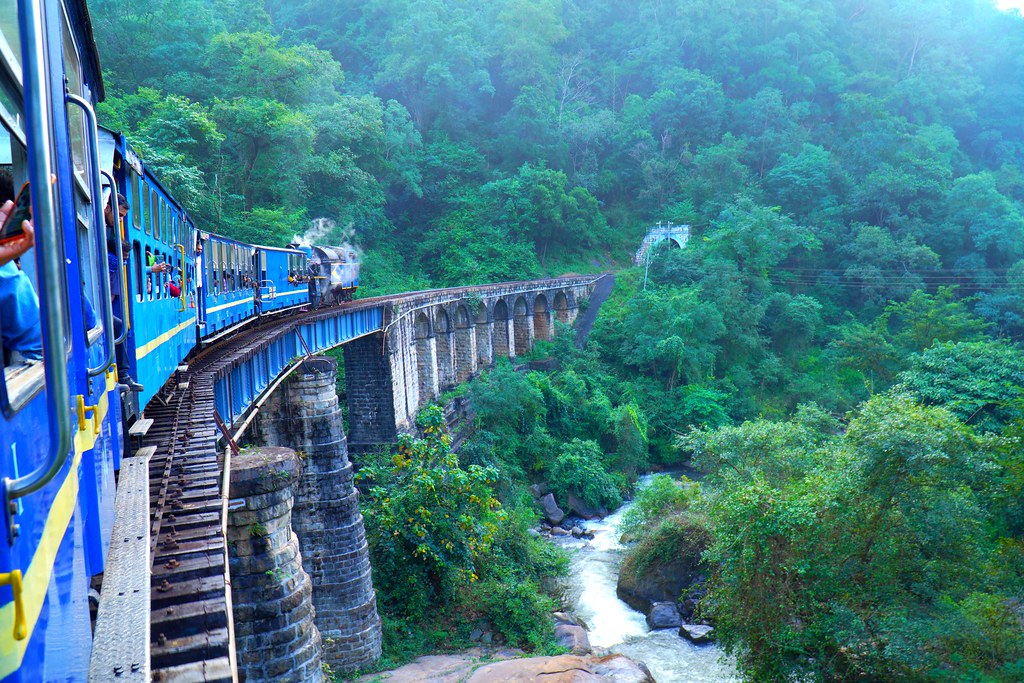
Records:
x=616, y=626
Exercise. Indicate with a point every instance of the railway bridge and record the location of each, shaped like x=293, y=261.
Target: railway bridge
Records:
x=255, y=561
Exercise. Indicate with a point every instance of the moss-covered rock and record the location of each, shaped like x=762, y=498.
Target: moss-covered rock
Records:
x=665, y=562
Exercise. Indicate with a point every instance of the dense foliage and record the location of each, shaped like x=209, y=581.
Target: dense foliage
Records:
x=836, y=345
x=446, y=553
x=878, y=552
x=494, y=139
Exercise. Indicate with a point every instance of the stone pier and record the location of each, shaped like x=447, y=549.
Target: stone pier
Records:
x=275, y=637
x=304, y=414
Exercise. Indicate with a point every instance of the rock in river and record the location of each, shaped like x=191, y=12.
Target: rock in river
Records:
x=664, y=615
x=697, y=633
x=573, y=637
x=552, y=512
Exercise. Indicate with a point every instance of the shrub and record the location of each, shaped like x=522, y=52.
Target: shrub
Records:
x=579, y=470
x=661, y=496
x=428, y=520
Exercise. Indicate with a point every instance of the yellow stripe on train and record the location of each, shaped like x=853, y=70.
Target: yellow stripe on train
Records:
x=36, y=581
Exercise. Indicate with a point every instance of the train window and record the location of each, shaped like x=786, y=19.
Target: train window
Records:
x=10, y=39
x=210, y=256
x=165, y=222
x=154, y=213
x=263, y=267
x=76, y=118
x=136, y=203
x=88, y=268
x=22, y=373
x=137, y=260
x=215, y=275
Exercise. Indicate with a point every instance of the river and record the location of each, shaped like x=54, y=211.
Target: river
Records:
x=616, y=626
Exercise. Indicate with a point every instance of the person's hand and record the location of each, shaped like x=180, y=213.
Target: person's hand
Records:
x=159, y=268
x=15, y=248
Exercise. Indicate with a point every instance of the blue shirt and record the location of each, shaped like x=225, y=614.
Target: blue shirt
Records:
x=19, y=314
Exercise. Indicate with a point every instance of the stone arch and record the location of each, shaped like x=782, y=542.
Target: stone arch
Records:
x=465, y=347
x=426, y=362
x=484, y=335
x=424, y=329
x=501, y=320
x=443, y=344
x=561, y=306
x=541, y=318
x=521, y=326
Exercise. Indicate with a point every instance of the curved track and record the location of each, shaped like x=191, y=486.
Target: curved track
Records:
x=190, y=596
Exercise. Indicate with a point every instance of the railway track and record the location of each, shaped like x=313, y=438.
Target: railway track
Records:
x=190, y=596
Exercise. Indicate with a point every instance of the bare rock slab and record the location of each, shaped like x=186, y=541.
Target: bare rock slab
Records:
x=564, y=669
x=697, y=634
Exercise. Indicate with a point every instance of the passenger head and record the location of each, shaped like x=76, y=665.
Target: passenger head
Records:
x=122, y=209
x=6, y=186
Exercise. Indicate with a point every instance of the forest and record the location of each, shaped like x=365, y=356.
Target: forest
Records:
x=835, y=352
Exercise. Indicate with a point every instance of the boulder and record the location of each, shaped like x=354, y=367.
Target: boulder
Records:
x=566, y=618
x=688, y=603
x=646, y=578
x=698, y=634
x=559, y=531
x=577, y=532
x=552, y=512
x=564, y=669
x=664, y=615
x=622, y=669
x=582, y=509
x=573, y=637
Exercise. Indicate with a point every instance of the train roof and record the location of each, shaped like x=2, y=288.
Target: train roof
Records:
x=329, y=253
x=290, y=250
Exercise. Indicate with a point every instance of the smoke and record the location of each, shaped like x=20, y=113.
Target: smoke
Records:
x=318, y=231
x=326, y=232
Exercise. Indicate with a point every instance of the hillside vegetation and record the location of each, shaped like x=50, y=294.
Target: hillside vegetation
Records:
x=836, y=349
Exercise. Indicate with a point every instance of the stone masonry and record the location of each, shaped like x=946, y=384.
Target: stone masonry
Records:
x=275, y=637
x=304, y=414
x=371, y=403
x=437, y=339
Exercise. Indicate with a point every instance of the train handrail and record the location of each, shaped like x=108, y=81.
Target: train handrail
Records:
x=119, y=245
x=101, y=230
x=49, y=259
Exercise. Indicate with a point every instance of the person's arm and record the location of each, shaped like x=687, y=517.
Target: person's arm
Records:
x=15, y=248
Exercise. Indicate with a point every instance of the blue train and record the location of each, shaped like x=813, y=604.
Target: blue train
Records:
x=120, y=305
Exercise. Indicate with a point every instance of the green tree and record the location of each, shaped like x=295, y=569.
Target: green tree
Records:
x=429, y=521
